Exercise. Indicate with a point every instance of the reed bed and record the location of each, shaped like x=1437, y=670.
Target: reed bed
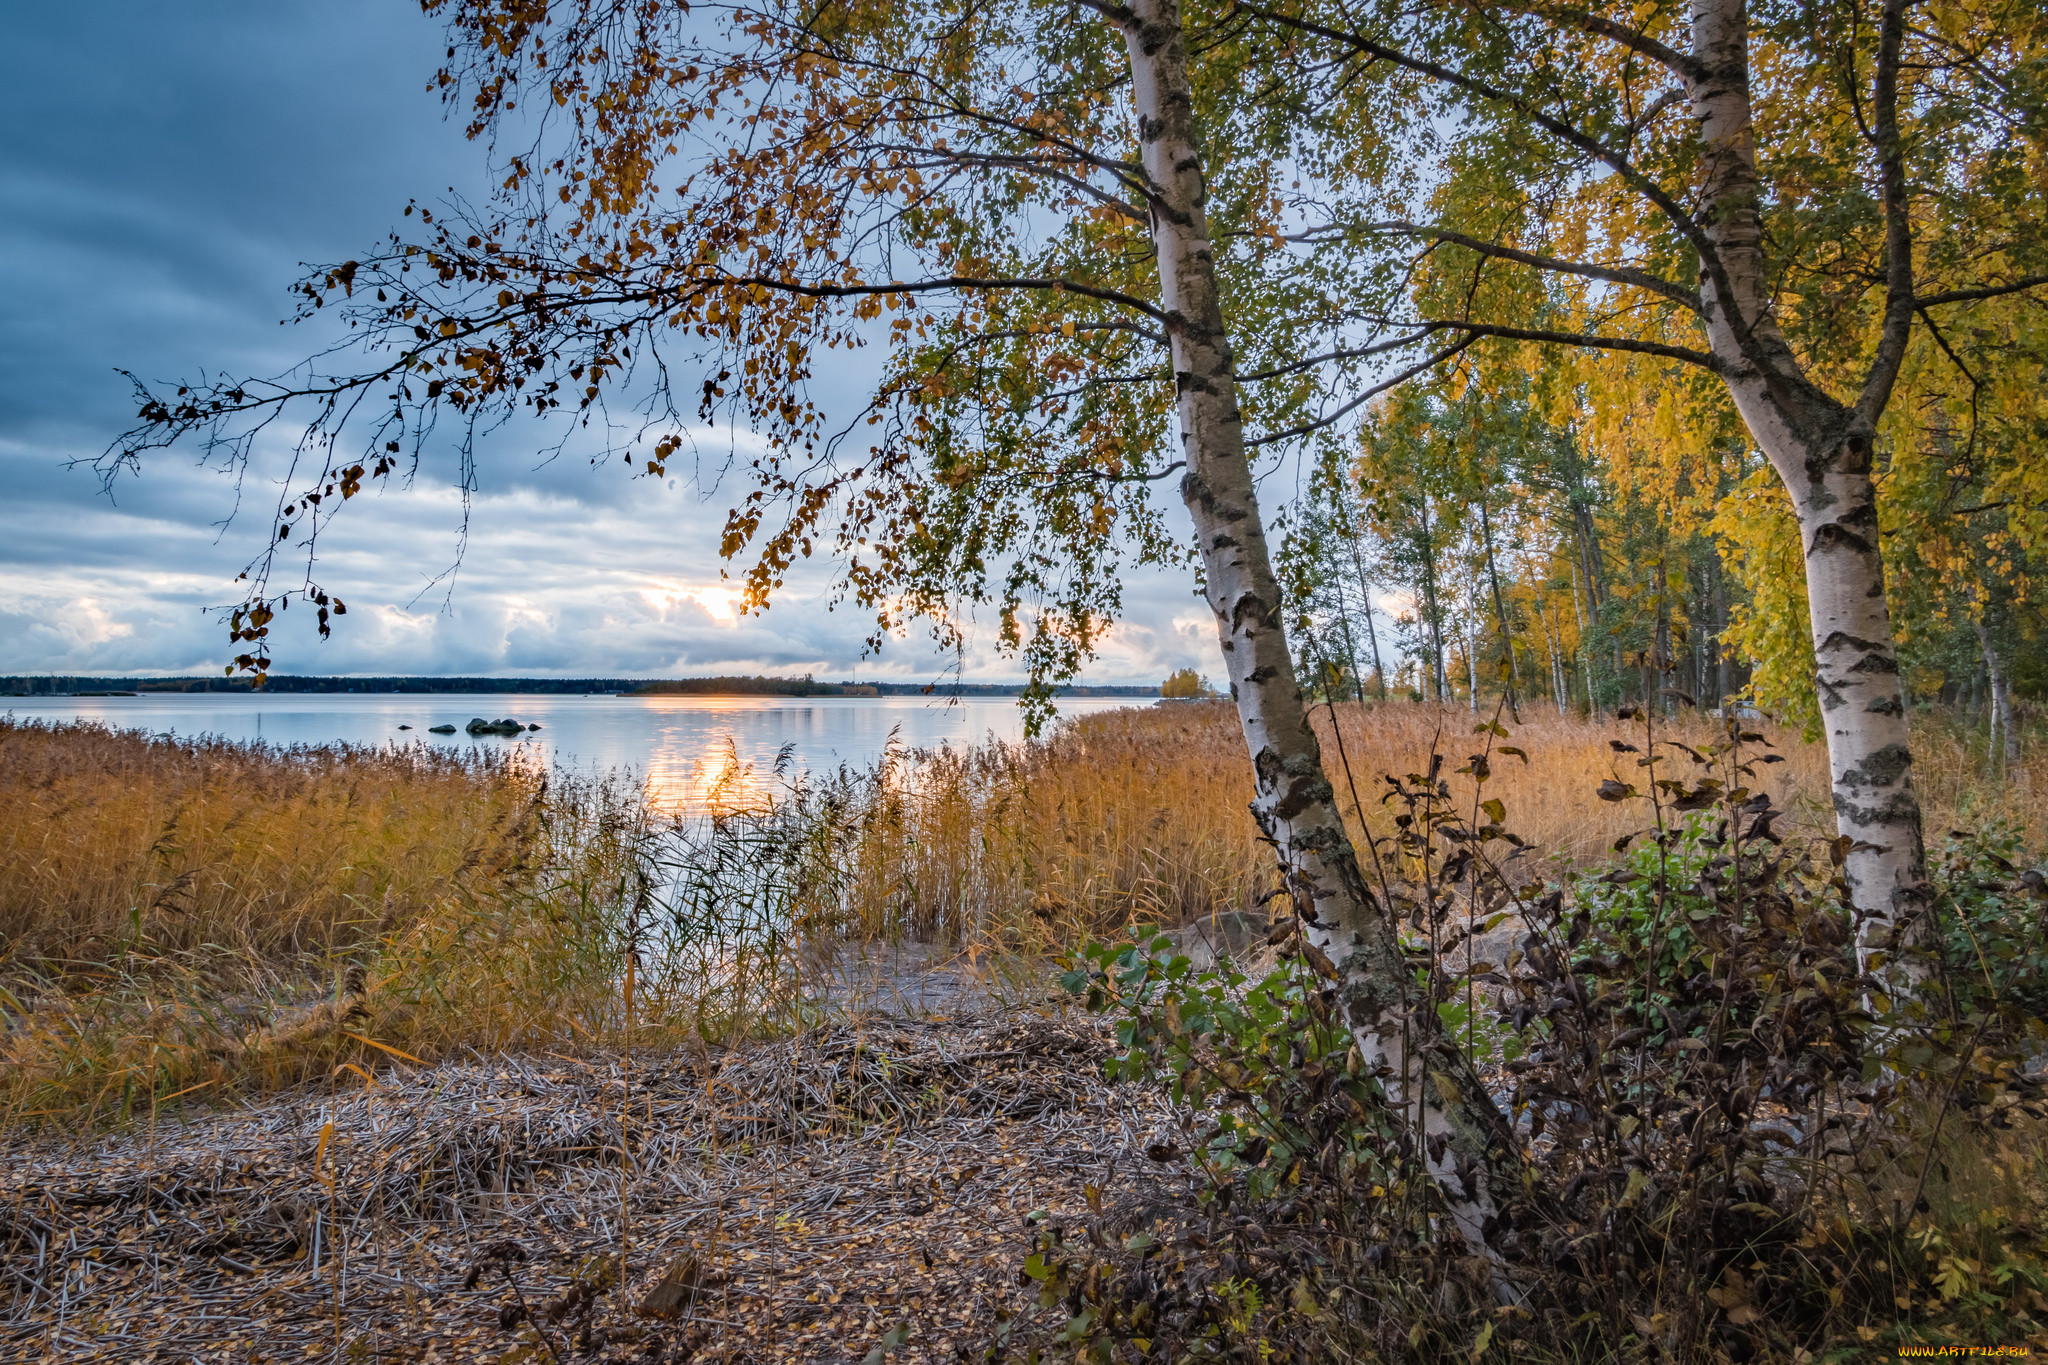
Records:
x=114, y=840
x=183, y=922
x=1142, y=814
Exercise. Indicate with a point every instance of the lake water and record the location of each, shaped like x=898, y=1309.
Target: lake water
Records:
x=676, y=744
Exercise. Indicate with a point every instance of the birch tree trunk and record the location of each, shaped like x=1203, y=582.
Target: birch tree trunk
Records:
x=1350, y=646
x=1372, y=634
x=1464, y=1140
x=2004, y=748
x=1720, y=619
x=1440, y=686
x=1472, y=666
x=1821, y=450
x=1585, y=647
x=1500, y=612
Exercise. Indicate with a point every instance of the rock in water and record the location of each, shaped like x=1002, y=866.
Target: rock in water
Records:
x=440, y=729
x=502, y=726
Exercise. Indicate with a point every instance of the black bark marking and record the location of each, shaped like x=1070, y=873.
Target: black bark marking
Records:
x=1266, y=764
x=1897, y=812
x=1249, y=607
x=1835, y=536
x=1881, y=768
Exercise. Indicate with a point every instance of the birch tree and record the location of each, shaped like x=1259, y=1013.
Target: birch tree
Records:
x=1066, y=238
x=1785, y=199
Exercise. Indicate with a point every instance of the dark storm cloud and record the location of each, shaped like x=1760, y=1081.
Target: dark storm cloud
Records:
x=166, y=171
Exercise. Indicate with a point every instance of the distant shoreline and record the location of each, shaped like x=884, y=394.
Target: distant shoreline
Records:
x=52, y=685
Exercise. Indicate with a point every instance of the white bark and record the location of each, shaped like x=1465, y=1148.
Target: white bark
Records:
x=1464, y=1139
x=1472, y=666
x=1821, y=450
x=2005, y=741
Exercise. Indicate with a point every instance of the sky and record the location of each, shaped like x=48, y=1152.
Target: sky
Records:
x=166, y=172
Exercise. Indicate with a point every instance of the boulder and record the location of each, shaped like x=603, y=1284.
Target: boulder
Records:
x=505, y=726
x=440, y=729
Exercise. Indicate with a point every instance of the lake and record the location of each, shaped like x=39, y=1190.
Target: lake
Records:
x=676, y=744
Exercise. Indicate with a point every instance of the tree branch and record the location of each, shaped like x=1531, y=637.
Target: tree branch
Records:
x=1705, y=360
x=1639, y=279
x=1357, y=353
x=1333, y=418
x=1898, y=227
x=1991, y=291
x=1711, y=263
x=1678, y=63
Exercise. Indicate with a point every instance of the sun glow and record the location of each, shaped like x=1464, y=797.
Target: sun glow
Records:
x=721, y=604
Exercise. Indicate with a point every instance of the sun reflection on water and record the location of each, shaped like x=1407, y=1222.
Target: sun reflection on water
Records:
x=708, y=778
x=695, y=771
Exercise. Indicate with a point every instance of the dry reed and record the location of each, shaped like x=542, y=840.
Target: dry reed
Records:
x=113, y=840
x=188, y=919
x=1142, y=814
x=181, y=920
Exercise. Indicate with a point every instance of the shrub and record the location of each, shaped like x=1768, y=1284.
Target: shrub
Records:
x=1741, y=1142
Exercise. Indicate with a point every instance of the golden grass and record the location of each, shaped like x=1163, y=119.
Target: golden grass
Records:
x=1961, y=787
x=112, y=842
x=1141, y=814
x=186, y=919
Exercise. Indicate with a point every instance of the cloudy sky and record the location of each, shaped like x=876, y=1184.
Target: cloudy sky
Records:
x=167, y=168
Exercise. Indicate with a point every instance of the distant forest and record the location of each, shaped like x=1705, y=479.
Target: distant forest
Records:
x=50, y=685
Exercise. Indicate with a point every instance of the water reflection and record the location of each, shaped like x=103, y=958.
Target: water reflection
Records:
x=677, y=745
x=712, y=780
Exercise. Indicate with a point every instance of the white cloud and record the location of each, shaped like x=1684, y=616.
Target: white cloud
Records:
x=581, y=572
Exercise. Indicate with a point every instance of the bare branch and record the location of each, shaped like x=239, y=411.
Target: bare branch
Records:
x=1989, y=291
x=1591, y=341
x=1375, y=391
x=1625, y=275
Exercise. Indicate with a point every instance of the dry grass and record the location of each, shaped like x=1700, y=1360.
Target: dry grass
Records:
x=181, y=919
x=1141, y=814
x=188, y=920
x=111, y=840
x=1962, y=787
